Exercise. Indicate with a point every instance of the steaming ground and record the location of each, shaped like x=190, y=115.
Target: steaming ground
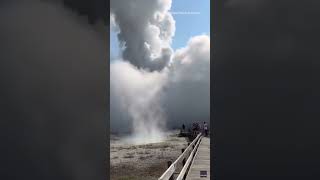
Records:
x=143, y=161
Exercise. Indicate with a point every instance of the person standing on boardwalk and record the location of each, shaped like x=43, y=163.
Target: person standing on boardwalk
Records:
x=205, y=127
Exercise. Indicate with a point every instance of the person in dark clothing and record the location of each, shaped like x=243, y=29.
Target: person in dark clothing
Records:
x=205, y=127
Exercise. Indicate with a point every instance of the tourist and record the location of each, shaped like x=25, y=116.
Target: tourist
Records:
x=205, y=127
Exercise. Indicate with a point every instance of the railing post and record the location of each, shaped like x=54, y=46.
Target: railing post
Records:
x=183, y=161
x=182, y=150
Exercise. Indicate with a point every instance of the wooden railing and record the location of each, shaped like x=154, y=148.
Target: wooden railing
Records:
x=168, y=174
x=186, y=167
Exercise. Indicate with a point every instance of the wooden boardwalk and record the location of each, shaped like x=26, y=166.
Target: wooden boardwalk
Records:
x=201, y=161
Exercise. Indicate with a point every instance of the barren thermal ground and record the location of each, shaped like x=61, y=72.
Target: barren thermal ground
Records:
x=143, y=161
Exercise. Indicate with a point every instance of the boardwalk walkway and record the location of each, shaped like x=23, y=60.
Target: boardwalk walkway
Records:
x=201, y=161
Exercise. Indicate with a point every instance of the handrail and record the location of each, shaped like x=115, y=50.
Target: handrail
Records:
x=194, y=157
x=185, y=167
x=169, y=172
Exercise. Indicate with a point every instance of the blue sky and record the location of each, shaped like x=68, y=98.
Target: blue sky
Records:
x=187, y=25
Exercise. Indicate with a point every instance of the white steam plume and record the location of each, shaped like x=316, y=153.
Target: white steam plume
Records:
x=139, y=93
x=150, y=101
x=146, y=28
x=150, y=80
x=187, y=92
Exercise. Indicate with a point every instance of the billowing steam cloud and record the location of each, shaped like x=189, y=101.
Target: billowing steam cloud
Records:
x=187, y=96
x=146, y=30
x=152, y=86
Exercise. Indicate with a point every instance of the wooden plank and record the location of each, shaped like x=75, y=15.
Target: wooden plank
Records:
x=201, y=161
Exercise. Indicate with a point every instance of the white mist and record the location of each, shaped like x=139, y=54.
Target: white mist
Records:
x=139, y=93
